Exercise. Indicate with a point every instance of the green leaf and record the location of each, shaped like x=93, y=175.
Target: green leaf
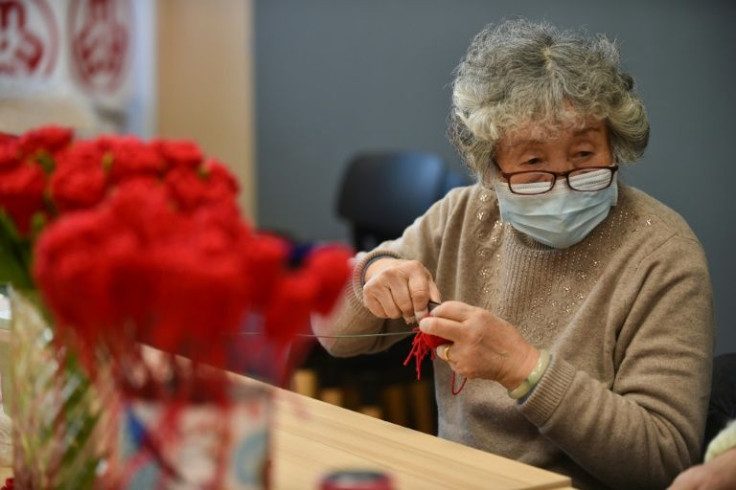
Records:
x=15, y=255
x=46, y=161
x=7, y=227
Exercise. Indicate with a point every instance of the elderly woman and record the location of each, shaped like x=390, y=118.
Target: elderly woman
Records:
x=578, y=308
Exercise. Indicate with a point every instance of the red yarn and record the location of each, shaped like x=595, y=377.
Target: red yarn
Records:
x=424, y=344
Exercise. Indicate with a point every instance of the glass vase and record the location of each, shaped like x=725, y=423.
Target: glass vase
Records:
x=61, y=434
x=6, y=436
x=195, y=445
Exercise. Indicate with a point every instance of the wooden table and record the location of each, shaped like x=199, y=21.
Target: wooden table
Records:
x=312, y=438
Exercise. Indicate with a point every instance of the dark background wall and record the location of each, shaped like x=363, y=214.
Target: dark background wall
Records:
x=335, y=77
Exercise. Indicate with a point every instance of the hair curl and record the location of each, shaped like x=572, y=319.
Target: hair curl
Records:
x=519, y=72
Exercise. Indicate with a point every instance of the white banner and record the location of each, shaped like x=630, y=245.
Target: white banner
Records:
x=77, y=50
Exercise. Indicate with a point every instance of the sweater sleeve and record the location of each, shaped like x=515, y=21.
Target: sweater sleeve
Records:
x=647, y=426
x=421, y=241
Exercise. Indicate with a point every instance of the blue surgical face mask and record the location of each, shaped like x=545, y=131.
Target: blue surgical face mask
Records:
x=559, y=218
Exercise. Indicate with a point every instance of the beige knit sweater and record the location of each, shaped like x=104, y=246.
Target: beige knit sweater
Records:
x=626, y=313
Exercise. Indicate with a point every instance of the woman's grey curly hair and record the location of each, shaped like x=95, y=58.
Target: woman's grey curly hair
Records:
x=520, y=72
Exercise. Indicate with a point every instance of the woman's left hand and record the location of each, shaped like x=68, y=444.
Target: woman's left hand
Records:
x=482, y=344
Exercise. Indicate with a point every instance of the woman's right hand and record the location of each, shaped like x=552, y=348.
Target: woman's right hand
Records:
x=717, y=474
x=396, y=288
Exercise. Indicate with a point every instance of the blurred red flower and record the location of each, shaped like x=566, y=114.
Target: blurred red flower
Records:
x=144, y=242
x=21, y=194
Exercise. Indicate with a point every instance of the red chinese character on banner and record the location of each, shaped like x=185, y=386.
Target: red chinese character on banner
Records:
x=100, y=36
x=28, y=39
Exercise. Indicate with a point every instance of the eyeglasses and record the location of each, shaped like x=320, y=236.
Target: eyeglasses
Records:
x=586, y=179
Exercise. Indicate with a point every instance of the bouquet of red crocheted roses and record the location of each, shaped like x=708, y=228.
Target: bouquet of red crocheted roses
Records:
x=131, y=241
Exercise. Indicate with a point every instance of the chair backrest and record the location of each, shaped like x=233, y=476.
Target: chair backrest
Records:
x=455, y=179
x=382, y=193
x=722, y=403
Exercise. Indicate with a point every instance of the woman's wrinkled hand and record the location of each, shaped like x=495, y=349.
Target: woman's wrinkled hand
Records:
x=482, y=344
x=717, y=474
x=396, y=288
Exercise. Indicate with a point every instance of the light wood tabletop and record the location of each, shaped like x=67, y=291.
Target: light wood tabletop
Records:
x=312, y=438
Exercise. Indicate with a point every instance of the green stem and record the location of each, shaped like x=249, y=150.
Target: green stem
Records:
x=15, y=255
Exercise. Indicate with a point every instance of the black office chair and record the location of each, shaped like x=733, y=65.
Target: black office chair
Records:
x=381, y=194
x=722, y=404
x=454, y=179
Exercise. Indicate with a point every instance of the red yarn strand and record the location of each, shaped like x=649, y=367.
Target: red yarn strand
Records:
x=424, y=344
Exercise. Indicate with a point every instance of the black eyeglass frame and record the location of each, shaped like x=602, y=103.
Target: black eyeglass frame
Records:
x=555, y=175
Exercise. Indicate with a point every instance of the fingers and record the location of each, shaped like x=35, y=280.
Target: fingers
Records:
x=419, y=287
x=401, y=288
x=455, y=310
x=399, y=299
x=441, y=327
x=392, y=295
x=690, y=479
x=381, y=285
x=434, y=298
x=447, y=320
x=374, y=304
